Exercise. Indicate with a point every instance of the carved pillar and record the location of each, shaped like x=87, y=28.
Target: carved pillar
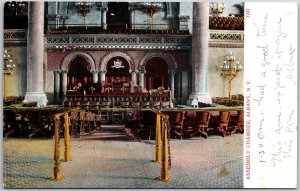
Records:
x=133, y=81
x=142, y=79
x=103, y=17
x=35, y=48
x=64, y=81
x=200, y=53
x=95, y=76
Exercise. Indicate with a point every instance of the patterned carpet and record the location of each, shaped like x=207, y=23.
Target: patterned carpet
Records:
x=110, y=159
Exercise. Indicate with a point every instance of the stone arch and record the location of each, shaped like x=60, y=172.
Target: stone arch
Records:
x=66, y=61
x=169, y=59
x=106, y=58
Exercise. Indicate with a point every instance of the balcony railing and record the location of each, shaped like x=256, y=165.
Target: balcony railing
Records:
x=115, y=29
x=123, y=41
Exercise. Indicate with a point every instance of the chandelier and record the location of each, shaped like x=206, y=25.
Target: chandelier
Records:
x=7, y=68
x=230, y=69
x=8, y=63
x=151, y=8
x=216, y=9
x=15, y=7
x=84, y=8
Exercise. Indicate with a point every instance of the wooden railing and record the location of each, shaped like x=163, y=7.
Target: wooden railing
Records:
x=162, y=145
x=57, y=119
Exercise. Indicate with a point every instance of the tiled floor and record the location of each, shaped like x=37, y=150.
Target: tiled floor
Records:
x=112, y=160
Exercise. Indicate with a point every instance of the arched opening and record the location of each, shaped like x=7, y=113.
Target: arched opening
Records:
x=117, y=15
x=79, y=73
x=118, y=75
x=156, y=73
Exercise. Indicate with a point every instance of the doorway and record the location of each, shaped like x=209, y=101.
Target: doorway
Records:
x=117, y=15
x=156, y=73
x=79, y=73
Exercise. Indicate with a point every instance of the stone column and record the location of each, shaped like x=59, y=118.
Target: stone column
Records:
x=56, y=85
x=64, y=81
x=132, y=19
x=95, y=76
x=133, y=81
x=103, y=17
x=35, y=52
x=200, y=53
x=102, y=75
x=57, y=19
x=171, y=77
x=142, y=79
x=102, y=78
x=56, y=81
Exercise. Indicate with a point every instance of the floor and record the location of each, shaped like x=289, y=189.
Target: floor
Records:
x=110, y=159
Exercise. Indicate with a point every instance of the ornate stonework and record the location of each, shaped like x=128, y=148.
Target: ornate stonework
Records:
x=110, y=55
x=69, y=57
x=169, y=59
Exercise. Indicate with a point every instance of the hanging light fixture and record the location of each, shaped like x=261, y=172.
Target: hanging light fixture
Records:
x=84, y=8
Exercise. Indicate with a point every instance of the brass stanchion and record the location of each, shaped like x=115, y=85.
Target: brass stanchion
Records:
x=158, y=139
x=57, y=175
x=67, y=138
x=165, y=159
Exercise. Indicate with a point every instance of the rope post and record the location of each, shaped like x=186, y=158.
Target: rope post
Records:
x=158, y=139
x=165, y=159
x=57, y=176
x=67, y=138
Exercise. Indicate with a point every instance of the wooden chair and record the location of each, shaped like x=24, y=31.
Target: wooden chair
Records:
x=95, y=105
x=189, y=123
x=9, y=123
x=74, y=122
x=223, y=123
x=98, y=118
x=201, y=123
x=85, y=105
x=90, y=122
x=82, y=122
x=37, y=123
x=176, y=120
x=240, y=123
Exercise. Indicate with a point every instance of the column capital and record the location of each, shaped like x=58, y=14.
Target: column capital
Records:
x=94, y=71
x=103, y=9
x=64, y=71
x=64, y=17
x=134, y=71
x=53, y=17
x=57, y=71
x=141, y=69
x=170, y=16
x=172, y=72
x=103, y=71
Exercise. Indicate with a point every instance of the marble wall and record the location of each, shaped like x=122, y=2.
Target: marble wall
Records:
x=16, y=82
x=217, y=84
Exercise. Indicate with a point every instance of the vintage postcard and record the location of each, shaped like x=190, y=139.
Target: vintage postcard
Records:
x=149, y=95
